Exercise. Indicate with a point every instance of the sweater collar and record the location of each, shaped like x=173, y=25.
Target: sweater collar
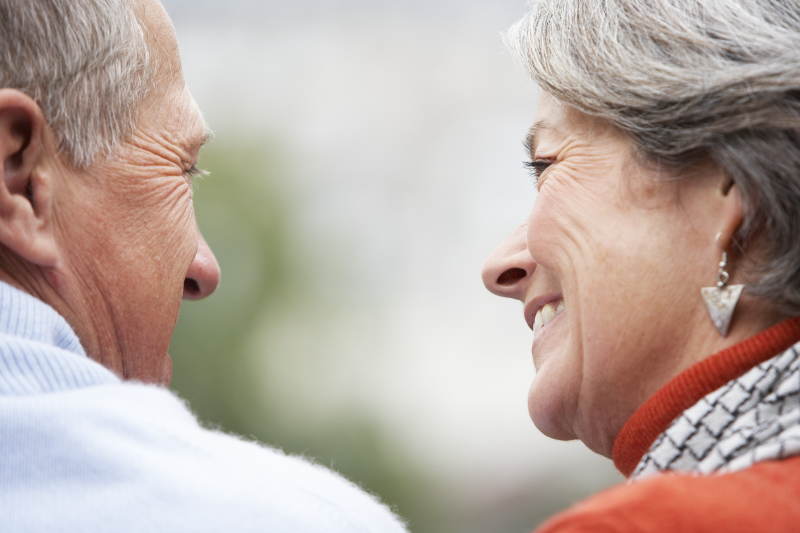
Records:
x=691, y=385
x=22, y=315
x=39, y=352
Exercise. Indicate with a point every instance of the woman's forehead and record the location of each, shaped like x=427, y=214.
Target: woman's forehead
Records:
x=554, y=120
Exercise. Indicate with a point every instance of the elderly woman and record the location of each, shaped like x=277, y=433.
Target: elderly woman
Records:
x=660, y=266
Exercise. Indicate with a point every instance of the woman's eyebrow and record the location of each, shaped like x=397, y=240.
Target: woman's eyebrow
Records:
x=530, y=139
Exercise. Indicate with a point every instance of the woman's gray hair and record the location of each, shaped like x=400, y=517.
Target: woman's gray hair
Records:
x=85, y=62
x=688, y=80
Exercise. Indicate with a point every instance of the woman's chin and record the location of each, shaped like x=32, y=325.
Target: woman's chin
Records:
x=552, y=398
x=550, y=408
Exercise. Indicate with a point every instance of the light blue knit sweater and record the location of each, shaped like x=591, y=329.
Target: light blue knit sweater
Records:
x=81, y=450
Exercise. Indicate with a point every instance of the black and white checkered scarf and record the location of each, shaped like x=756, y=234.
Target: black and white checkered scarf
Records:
x=753, y=418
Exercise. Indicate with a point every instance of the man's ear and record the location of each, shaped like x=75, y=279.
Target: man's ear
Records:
x=732, y=215
x=25, y=189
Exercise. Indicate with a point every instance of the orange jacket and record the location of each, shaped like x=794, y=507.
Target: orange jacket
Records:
x=762, y=498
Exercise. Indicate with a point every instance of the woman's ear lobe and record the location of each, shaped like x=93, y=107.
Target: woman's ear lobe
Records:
x=25, y=225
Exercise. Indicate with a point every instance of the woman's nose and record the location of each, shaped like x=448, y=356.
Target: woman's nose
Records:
x=508, y=270
x=203, y=275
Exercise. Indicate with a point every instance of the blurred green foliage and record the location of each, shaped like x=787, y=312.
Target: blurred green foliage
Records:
x=243, y=209
x=241, y=212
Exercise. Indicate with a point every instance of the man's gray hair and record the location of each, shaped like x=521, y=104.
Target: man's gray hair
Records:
x=85, y=62
x=688, y=80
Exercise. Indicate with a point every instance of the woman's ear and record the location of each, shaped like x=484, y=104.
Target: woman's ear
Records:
x=732, y=214
x=25, y=189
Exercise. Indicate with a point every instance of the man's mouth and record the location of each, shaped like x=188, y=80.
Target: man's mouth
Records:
x=546, y=314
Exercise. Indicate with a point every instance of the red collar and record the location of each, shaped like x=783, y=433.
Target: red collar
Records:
x=690, y=386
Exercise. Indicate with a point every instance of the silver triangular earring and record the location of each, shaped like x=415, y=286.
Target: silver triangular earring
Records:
x=722, y=299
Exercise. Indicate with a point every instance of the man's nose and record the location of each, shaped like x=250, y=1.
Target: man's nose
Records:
x=508, y=270
x=203, y=275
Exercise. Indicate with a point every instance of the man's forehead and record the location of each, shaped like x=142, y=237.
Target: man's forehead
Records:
x=177, y=120
x=175, y=107
x=161, y=40
x=157, y=24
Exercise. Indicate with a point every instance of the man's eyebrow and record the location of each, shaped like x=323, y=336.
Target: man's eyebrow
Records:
x=530, y=139
x=207, y=135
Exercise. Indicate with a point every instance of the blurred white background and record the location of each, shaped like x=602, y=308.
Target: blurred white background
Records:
x=398, y=129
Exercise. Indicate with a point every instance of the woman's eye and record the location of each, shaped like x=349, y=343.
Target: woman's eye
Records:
x=536, y=168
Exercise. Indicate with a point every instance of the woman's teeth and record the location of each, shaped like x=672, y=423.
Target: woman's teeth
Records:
x=546, y=314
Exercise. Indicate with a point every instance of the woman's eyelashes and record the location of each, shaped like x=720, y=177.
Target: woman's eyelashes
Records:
x=536, y=168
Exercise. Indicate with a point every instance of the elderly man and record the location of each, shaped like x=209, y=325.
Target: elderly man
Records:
x=98, y=244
